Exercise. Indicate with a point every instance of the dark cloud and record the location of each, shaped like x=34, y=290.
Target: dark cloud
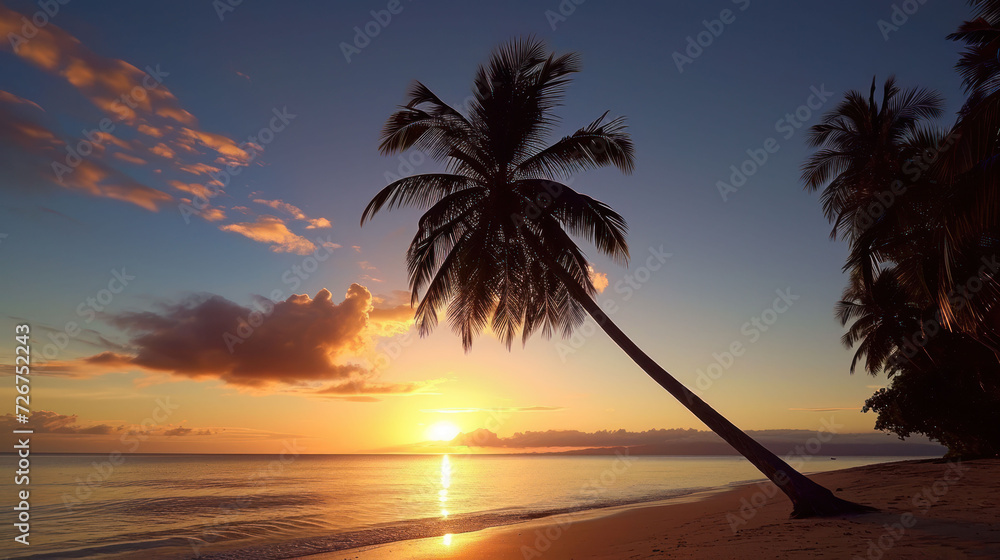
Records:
x=301, y=339
x=301, y=342
x=178, y=431
x=48, y=422
x=361, y=390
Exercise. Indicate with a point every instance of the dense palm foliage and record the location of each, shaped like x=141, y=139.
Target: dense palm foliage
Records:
x=476, y=247
x=495, y=244
x=919, y=210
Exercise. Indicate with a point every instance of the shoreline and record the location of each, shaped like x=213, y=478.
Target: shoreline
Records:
x=929, y=508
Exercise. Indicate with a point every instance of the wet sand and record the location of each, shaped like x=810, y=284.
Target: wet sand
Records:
x=928, y=509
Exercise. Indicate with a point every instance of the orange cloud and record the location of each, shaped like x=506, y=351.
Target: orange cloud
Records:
x=295, y=212
x=99, y=180
x=199, y=168
x=150, y=131
x=272, y=230
x=129, y=159
x=8, y=97
x=113, y=85
x=162, y=150
x=46, y=157
x=127, y=94
x=230, y=152
x=296, y=341
x=192, y=188
x=599, y=279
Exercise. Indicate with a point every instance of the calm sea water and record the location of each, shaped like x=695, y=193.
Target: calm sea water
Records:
x=236, y=507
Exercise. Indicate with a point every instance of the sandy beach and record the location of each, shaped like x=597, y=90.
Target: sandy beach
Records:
x=928, y=509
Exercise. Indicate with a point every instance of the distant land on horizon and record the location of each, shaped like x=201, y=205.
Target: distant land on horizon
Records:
x=704, y=443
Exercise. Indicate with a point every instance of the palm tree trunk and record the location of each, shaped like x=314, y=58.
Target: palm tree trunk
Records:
x=809, y=499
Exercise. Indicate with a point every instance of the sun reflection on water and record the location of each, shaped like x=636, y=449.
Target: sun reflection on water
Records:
x=445, y=484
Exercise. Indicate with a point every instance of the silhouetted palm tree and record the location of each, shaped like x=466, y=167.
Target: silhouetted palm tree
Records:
x=494, y=245
x=882, y=319
x=972, y=168
x=864, y=147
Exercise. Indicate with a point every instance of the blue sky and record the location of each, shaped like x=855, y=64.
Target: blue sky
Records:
x=727, y=257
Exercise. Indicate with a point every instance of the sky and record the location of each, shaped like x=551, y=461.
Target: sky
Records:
x=171, y=168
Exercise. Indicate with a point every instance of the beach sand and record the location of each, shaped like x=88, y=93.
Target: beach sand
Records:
x=928, y=509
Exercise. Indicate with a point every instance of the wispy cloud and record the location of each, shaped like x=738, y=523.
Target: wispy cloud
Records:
x=273, y=231
x=826, y=409
x=494, y=409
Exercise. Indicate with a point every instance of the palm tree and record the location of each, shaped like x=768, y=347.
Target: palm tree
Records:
x=883, y=321
x=973, y=168
x=864, y=148
x=494, y=246
x=940, y=219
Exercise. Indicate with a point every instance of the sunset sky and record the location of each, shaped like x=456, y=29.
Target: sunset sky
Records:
x=289, y=98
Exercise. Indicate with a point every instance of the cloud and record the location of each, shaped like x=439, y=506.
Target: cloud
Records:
x=319, y=223
x=7, y=97
x=304, y=343
x=295, y=212
x=599, y=279
x=398, y=313
x=273, y=231
x=178, y=431
x=104, y=81
x=129, y=159
x=129, y=97
x=38, y=148
x=48, y=422
x=695, y=442
x=494, y=409
x=361, y=390
x=827, y=409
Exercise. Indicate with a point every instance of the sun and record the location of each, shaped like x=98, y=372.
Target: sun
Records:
x=443, y=431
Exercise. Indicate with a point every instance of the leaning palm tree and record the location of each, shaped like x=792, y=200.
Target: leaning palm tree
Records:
x=494, y=245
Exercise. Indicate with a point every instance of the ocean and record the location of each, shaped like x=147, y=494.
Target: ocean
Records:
x=268, y=507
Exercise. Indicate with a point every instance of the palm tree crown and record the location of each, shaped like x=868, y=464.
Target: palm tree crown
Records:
x=479, y=246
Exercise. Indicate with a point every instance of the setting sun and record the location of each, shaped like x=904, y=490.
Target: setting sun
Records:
x=443, y=431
